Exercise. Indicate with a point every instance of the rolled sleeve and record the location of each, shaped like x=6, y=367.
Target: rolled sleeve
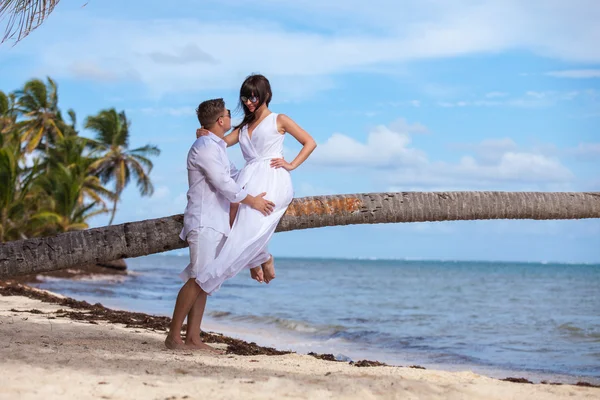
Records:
x=217, y=173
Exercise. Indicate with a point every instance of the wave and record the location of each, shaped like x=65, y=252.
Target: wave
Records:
x=104, y=278
x=282, y=323
x=577, y=332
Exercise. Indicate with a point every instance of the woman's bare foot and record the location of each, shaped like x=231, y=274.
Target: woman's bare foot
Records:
x=256, y=273
x=268, y=269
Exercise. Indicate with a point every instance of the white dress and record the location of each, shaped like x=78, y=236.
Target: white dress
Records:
x=246, y=245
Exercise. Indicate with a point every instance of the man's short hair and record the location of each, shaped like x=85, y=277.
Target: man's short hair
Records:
x=209, y=111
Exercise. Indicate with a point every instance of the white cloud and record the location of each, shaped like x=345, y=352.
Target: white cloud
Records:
x=161, y=192
x=384, y=148
x=188, y=54
x=172, y=111
x=493, y=95
x=492, y=164
x=586, y=150
x=576, y=73
x=182, y=54
x=89, y=70
x=529, y=99
x=400, y=125
x=490, y=150
x=413, y=103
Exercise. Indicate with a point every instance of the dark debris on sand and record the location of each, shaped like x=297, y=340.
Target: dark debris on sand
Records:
x=367, y=363
x=79, y=272
x=516, y=380
x=587, y=384
x=523, y=380
x=361, y=363
x=326, y=357
x=84, y=311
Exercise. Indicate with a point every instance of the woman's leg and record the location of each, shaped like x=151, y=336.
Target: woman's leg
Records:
x=233, y=209
x=256, y=273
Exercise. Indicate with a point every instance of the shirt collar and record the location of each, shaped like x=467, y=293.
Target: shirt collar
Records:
x=216, y=138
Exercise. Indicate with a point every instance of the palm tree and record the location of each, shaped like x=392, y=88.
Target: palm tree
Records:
x=64, y=209
x=117, y=162
x=73, y=153
x=140, y=238
x=38, y=104
x=24, y=16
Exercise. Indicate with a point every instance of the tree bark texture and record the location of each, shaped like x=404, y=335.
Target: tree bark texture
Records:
x=134, y=239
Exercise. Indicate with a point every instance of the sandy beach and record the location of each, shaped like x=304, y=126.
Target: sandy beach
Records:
x=54, y=351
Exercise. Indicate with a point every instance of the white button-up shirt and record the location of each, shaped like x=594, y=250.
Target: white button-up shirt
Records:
x=212, y=187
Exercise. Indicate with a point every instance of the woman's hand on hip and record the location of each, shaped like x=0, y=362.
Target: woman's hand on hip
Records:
x=281, y=163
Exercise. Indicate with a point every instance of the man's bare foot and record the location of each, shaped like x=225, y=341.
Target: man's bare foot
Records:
x=200, y=345
x=256, y=273
x=268, y=269
x=174, y=344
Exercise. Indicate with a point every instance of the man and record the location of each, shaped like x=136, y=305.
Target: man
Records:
x=206, y=218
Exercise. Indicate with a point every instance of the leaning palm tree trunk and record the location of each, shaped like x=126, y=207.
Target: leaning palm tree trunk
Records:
x=157, y=235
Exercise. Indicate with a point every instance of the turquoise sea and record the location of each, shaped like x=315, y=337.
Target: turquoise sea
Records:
x=536, y=320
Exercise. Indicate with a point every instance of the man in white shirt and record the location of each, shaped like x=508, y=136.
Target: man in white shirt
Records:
x=206, y=219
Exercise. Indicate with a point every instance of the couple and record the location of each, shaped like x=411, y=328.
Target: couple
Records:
x=228, y=220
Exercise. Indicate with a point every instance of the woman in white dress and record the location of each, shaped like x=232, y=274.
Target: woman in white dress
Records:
x=260, y=135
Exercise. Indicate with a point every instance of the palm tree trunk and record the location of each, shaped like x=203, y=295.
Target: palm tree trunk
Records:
x=114, y=210
x=140, y=238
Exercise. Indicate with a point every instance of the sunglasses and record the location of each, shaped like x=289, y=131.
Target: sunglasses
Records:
x=253, y=99
x=223, y=116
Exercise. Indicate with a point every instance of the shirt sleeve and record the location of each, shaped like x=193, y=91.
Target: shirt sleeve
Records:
x=209, y=161
x=233, y=171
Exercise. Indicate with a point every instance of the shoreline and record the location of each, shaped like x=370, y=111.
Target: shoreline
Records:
x=33, y=309
x=289, y=341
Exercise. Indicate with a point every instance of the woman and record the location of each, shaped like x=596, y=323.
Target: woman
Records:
x=260, y=134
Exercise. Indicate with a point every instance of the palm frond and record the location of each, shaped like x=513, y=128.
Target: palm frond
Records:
x=107, y=125
x=142, y=178
x=122, y=138
x=147, y=150
x=47, y=217
x=144, y=161
x=24, y=16
x=34, y=140
x=80, y=213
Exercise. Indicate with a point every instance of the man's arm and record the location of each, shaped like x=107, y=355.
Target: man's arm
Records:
x=233, y=171
x=232, y=139
x=216, y=172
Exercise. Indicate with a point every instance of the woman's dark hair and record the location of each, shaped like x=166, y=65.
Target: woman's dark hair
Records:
x=258, y=86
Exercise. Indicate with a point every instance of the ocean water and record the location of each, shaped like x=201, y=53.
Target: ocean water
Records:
x=541, y=321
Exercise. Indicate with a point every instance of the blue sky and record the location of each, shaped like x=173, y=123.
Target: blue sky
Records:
x=411, y=95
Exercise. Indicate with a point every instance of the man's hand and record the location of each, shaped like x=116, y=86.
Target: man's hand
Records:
x=201, y=132
x=260, y=204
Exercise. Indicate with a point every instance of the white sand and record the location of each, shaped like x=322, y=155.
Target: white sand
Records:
x=60, y=358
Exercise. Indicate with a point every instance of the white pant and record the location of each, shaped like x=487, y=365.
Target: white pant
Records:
x=205, y=245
